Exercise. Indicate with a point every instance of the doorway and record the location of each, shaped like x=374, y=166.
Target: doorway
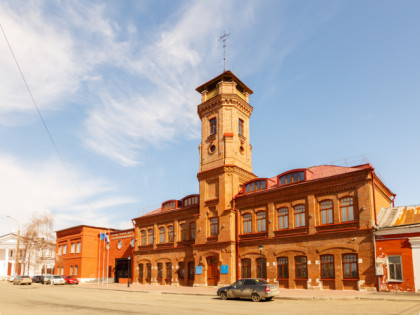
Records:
x=212, y=271
x=122, y=269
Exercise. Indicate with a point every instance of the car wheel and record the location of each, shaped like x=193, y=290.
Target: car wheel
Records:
x=223, y=295
x=269, y=298
x=255, y=297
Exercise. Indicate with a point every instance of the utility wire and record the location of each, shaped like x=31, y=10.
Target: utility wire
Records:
x=43, y=121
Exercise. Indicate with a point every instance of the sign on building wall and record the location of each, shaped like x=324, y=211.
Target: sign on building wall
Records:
x=224, y=269
x=198, y=270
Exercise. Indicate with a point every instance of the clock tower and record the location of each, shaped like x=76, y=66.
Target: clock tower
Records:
x=225, y=164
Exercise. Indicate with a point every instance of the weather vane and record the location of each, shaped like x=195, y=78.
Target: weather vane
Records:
x=223, y=39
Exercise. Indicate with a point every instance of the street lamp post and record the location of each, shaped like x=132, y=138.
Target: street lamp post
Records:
x=17, y=245
x=261, y=272
x=128, y=273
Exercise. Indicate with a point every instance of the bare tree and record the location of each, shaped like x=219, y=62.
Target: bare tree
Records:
x=39, y=240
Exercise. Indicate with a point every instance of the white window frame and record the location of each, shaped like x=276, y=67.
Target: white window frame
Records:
x=389, y=272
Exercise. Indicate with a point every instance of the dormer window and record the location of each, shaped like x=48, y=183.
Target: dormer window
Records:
x=213, y=126
x=189, y=201
x=256, y=185
x=169, y=205
x=292, y=177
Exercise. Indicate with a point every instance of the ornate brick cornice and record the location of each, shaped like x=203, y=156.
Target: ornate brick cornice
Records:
x=225, y=169
x=211, y=106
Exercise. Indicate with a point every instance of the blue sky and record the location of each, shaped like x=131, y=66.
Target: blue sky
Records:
x=115, y=82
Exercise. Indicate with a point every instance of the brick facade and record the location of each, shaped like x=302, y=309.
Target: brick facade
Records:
x=307, y=228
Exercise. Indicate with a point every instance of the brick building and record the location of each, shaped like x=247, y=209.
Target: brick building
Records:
x=398, y=249
x=305, y=228
x=82, y=253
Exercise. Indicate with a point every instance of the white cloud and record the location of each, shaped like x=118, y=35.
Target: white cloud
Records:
x=45, y=187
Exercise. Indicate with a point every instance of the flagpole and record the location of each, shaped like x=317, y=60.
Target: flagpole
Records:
x=107, y=266
x=99, y=255
x=103, y=258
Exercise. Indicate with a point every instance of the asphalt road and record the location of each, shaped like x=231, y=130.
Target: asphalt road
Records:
x=46, y=299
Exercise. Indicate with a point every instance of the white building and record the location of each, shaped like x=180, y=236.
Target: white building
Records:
x=34, y=257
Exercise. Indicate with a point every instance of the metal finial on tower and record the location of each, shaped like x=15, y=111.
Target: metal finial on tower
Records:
x=223, y=39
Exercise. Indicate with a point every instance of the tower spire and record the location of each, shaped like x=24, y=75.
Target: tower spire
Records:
x=223, y=39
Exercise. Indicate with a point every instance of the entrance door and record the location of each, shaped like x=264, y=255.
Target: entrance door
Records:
x=122, y=269
x=212, y=271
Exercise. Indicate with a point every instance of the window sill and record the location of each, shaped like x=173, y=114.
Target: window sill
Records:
x=212, y=238
x=292, y=232
x=253, y=235
x=351, y=279
x=395, y=281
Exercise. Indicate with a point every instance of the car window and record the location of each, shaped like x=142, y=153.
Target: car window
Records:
x=238, y=283
x=57, y=277
x=260, y=281
x=249, y=282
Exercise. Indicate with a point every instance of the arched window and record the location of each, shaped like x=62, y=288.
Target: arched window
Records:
x=283, y=214
x=246, y=268
x=247, y=223
x=162, y=235
x=181, y=270
x=213, y=126
x=327, y=267
x=141, y=271
x=160, y=270
x=192, y=231
x=326, y=209
x=346, y=209
x=299, y=216
x=261, y=221
x=148, y=271
x=282, y=268
x=168, y=270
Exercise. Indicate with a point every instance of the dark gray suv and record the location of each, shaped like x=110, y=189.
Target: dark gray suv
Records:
x=255, y=289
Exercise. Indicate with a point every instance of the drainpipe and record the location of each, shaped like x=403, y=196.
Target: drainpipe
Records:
x=378, y=288
x=374, y=200
x=236, y=236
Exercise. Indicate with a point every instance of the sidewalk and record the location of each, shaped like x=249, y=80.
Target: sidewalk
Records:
x=285, y=294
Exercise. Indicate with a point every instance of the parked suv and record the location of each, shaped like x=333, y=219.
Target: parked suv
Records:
x=38, y=279
x=255, y=289
x=54, y=279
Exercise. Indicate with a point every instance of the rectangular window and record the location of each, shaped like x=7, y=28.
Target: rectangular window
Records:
x=170, y=233
x=65, y=249
x=181, y=270
x=262, y=268
x=246, y=268
x=282, y=268
x=60, y=250
x=150, y=236
x=160, y=270
x=241, y=127
x=326, y=208
x=301, y=267
x=214, y=226
x=73, y=248
x=143, y=238
x=141, y=274
x=148, y=271
x=395, y=268
x=327, y=267
x=299, y=216
x=76, y=270
x=247, y=223
x=350, y=270
x=283, y=214
x=261, y=221
x=192, y=231
x=346, y=209
x=71, y=270
x=191, y=270
x=213, y=126
x=168, y=270
x=183, y=228
x=162, y=235
x=79, y=247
